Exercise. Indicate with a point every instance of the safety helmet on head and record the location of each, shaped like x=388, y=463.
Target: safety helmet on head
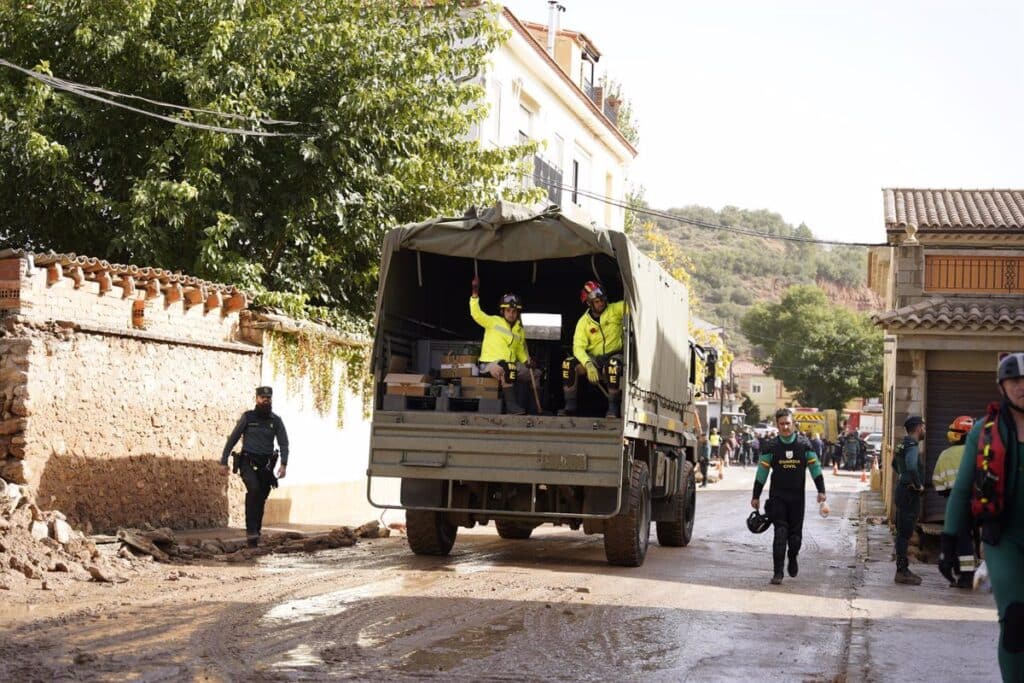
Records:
x=958, y=428
x=591, y=292
x=511, y=301
x=1010, y=367
x=758, y=523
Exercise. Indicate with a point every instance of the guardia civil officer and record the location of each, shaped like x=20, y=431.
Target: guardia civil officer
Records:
x=258, y=428
x=787, y=457
x=909, y=465
x=989, y=488
x=596, y=349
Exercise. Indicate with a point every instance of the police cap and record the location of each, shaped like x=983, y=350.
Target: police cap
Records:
x=913, y=421
x=264, y=391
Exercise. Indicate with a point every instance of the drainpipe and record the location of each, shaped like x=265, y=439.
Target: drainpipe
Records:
x=553, y=24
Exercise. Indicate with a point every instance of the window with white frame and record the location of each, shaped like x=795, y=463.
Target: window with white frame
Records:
x=756, y=388
x=581, y=177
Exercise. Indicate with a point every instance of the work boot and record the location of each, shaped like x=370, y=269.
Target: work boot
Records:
x=570, y=403
x=903, y=573
x=965, y=580
x=793, y=568
x=252, y=541
x=512, y=406
x=776, y=578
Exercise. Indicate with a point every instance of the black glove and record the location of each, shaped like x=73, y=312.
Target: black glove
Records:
x=476, y=285
x=949, y=563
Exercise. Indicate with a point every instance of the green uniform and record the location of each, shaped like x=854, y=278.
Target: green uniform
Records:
x=502, y=342
x=907, y=497
x=1005, y=560
x=599, y=337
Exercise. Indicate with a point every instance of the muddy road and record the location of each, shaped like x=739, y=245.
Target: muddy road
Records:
x=548, y=608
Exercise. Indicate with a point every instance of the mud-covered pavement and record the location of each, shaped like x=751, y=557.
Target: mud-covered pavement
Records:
x=547, y=608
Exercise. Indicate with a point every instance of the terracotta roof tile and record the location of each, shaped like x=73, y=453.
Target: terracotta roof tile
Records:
x=944, y=315
x=954, y=210
x=91, y=264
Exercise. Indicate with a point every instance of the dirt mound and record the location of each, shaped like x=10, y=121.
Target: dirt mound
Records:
x=39, y=545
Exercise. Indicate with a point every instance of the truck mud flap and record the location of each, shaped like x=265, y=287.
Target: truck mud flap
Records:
x=426, y=493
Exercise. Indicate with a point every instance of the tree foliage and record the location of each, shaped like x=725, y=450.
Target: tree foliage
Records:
x=751, y=410
x=826, y=354
x=383, y=90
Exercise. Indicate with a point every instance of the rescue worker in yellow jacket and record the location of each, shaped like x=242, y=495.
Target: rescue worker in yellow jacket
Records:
x=943, y=478
x=596, y=350
x=504, y=347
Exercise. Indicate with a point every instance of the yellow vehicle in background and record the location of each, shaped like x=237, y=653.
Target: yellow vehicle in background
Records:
x=824, y=423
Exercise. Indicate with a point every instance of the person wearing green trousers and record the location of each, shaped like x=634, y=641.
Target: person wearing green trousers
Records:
x=1002, y=536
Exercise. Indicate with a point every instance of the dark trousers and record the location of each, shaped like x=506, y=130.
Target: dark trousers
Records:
x=786, y=510
x=258, y=480
x=908, y=507
x=703, y=471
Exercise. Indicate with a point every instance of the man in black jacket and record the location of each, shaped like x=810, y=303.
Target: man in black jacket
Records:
x=787, y=457
x=258, y=428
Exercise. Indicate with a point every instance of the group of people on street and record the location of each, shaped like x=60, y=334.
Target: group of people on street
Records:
x=596, y=349
x=981, y=473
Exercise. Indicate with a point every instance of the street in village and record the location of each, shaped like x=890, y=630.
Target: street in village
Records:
x=549, y=608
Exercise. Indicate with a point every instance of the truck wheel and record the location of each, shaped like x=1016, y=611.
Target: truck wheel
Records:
x=627, y=533
x=679, y=531
x=513, y=530
x=429, y=533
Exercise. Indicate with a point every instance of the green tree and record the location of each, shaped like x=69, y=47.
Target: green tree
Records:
x=826, y=354
x=752, y=410
x=384, y=92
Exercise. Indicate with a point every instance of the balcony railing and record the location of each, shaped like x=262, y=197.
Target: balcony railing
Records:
x=549, y=178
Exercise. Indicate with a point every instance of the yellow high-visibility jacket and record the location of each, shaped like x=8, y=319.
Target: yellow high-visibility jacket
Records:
x=946, y=467
x=598, y=338
x=501, y=342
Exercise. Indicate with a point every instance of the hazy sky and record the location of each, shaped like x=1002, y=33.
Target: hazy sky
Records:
x=810, y=107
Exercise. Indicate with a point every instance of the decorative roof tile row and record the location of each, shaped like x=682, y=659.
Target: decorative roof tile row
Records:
x=954, y=210
x=91, y=265
x=939, y=314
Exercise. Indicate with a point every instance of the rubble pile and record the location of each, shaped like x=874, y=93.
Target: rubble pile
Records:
x=40, y=545
x=163, y=546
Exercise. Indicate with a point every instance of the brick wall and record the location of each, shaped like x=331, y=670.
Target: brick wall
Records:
x=116, y=424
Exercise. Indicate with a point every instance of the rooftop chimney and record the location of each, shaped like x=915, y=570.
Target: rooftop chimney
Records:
x=553, y=24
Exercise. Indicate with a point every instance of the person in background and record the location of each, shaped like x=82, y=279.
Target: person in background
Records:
x=703, y=458
x=716, y=441
x=909, y=465
x=942, y=479
x=818, y=446
x=994, y=453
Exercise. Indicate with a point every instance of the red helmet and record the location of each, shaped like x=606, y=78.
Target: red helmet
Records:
x=591, y=291
x=511, y=301
x=958, y=428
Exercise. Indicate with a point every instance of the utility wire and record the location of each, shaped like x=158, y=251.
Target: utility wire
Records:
x=696, y=222
x=92, y=93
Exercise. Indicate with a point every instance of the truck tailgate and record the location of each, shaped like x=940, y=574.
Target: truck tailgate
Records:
x=496, y=448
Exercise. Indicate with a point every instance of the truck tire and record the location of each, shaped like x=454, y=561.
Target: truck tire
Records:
x=429, y=533
x=513, y=530
x=626, y=534
x=679, y=531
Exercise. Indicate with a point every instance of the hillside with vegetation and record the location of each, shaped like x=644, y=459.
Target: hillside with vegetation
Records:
x=730, y=272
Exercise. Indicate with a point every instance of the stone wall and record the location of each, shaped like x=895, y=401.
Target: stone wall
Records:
x=125, y=431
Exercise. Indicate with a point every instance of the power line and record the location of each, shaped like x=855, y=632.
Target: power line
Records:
x=97, y=94
x=696, y=222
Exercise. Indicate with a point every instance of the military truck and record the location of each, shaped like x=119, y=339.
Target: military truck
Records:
x=463, y=462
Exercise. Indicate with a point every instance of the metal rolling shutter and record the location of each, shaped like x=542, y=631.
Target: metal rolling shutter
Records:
x=950, y=394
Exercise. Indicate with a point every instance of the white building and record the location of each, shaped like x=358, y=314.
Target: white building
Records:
x=541, y=86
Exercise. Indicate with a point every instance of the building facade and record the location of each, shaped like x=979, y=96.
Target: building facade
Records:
x=541, y=86
x=952, y=278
